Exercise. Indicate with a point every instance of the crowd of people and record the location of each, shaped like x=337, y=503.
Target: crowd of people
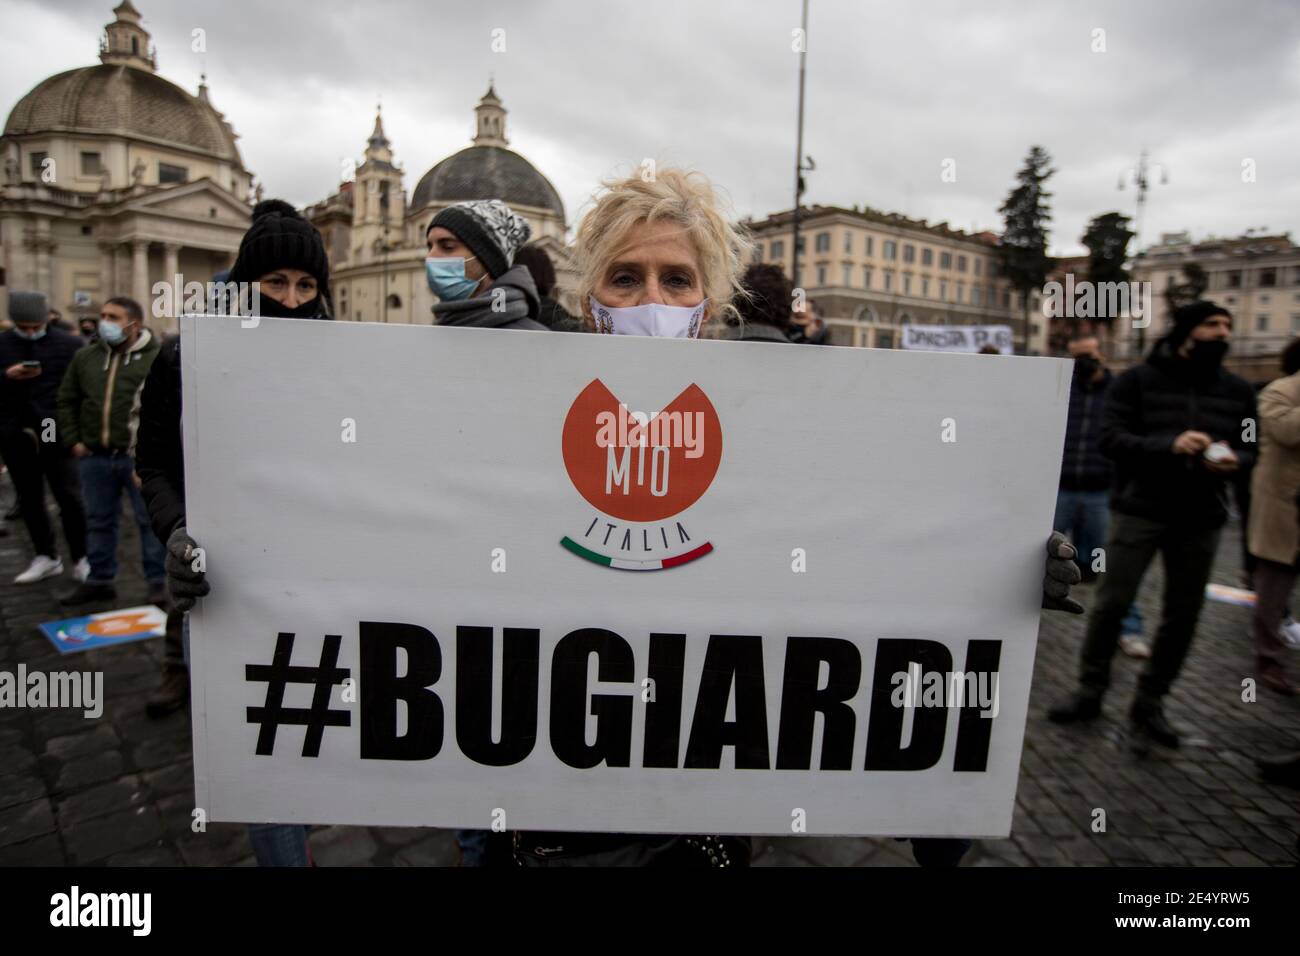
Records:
x=1148, y=452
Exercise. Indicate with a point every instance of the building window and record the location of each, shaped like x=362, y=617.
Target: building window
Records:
x=889, y=281
x=866, y=277
x=1267, y=278
x=979, y=265
x=974, y=295
x=758, y=252
x=778, y=249
x=800, y=245
x=961, y=263
x=823, y=242
x=992, y=269
x=909, y=253
x=961, y=291
x=1295, y=321
x=90, y=164
x=821, y=275
x=889, y=249
x=1234, y=280
x=907, y=285
x=1006, y=298
x=884, y=338
x=925, y=287
x=945, y=260
x=168, y=173
x=848, y=244
x=1261, y=323
x=1296, y=278
x=943, y=289
x=848, y=278
x=37, y=161
x=870, y=243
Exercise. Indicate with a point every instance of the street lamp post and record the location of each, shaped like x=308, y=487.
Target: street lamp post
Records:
x=799, y=167
x=1141, y=176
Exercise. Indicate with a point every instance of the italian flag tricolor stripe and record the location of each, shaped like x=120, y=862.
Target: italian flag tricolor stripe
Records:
x=625, y=564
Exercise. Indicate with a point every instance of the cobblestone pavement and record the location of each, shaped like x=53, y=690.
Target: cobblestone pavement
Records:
x=119, y=790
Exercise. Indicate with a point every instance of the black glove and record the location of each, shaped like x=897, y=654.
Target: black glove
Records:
x=184, y=581
x=1061, y=573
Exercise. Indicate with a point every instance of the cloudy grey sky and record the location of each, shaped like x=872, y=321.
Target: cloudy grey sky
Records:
x=894, y=89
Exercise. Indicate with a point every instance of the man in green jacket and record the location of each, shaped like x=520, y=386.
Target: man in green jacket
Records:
x=98, y=411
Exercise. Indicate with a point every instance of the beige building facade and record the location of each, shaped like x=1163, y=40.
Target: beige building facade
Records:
x=1256, y=278
x=374, y=235
x=115, y=179
x=872, y=272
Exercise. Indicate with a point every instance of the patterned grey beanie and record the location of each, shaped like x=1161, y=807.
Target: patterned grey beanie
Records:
x=493, y=232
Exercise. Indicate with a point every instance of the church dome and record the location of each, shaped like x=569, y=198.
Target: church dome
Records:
x=487, y=172
x=123, y=101
x=488, y=169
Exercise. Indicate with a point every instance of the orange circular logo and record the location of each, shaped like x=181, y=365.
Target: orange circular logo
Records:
x=641, y=467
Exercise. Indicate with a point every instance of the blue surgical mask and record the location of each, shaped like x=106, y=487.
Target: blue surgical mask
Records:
x=447, y=278
x=31, y=336
x=111, y=332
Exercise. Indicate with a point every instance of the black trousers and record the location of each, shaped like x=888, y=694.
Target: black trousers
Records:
x=1188, y=555
x=32, y=465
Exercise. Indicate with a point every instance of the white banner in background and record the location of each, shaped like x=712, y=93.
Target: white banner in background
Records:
x=957, y=338
x=463, y=578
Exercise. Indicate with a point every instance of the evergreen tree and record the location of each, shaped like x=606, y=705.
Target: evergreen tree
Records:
x=1025, y=261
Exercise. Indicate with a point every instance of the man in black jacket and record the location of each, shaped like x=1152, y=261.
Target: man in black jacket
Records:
x=1082, y=500
x=1176, y=427
x=33, y=358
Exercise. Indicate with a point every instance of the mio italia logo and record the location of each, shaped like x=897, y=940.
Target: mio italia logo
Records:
x=639, y=471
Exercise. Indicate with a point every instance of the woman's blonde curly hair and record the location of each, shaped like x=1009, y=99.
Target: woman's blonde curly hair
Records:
x=671, y=195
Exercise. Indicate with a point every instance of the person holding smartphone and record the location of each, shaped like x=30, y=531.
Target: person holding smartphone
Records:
x=33, y=357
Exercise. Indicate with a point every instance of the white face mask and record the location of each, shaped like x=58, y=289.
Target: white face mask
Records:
x=664, y=321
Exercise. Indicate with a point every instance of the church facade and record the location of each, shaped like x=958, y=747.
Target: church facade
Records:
x=375, y=236
x=114, y=179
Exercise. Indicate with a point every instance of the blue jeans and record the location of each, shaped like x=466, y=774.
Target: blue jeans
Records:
x=103, y=479
x=1083, y=517
x=274, y=844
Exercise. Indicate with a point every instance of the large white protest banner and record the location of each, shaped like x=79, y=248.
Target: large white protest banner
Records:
x=957, y=338
x=455, y=583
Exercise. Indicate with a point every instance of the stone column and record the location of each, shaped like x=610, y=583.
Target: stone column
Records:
x=107, y=270
x=171, y=266
x=171, y=262
x=140, y=270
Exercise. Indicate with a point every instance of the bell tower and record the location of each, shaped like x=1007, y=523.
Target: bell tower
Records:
x=126, y=42
x=490, y=118
x=378, y=203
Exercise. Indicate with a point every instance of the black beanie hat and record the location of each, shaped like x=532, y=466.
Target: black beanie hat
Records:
x=1188, y=317
x=280, y=239
x=491, y=230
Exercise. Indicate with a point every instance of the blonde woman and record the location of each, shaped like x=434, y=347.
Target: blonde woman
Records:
x=661, y=257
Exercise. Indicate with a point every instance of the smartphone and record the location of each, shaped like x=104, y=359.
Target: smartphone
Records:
x=31, y=363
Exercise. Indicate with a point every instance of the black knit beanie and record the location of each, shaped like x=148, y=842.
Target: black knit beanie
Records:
x=491, y=230
x=1188, y=317
x=281, y=240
